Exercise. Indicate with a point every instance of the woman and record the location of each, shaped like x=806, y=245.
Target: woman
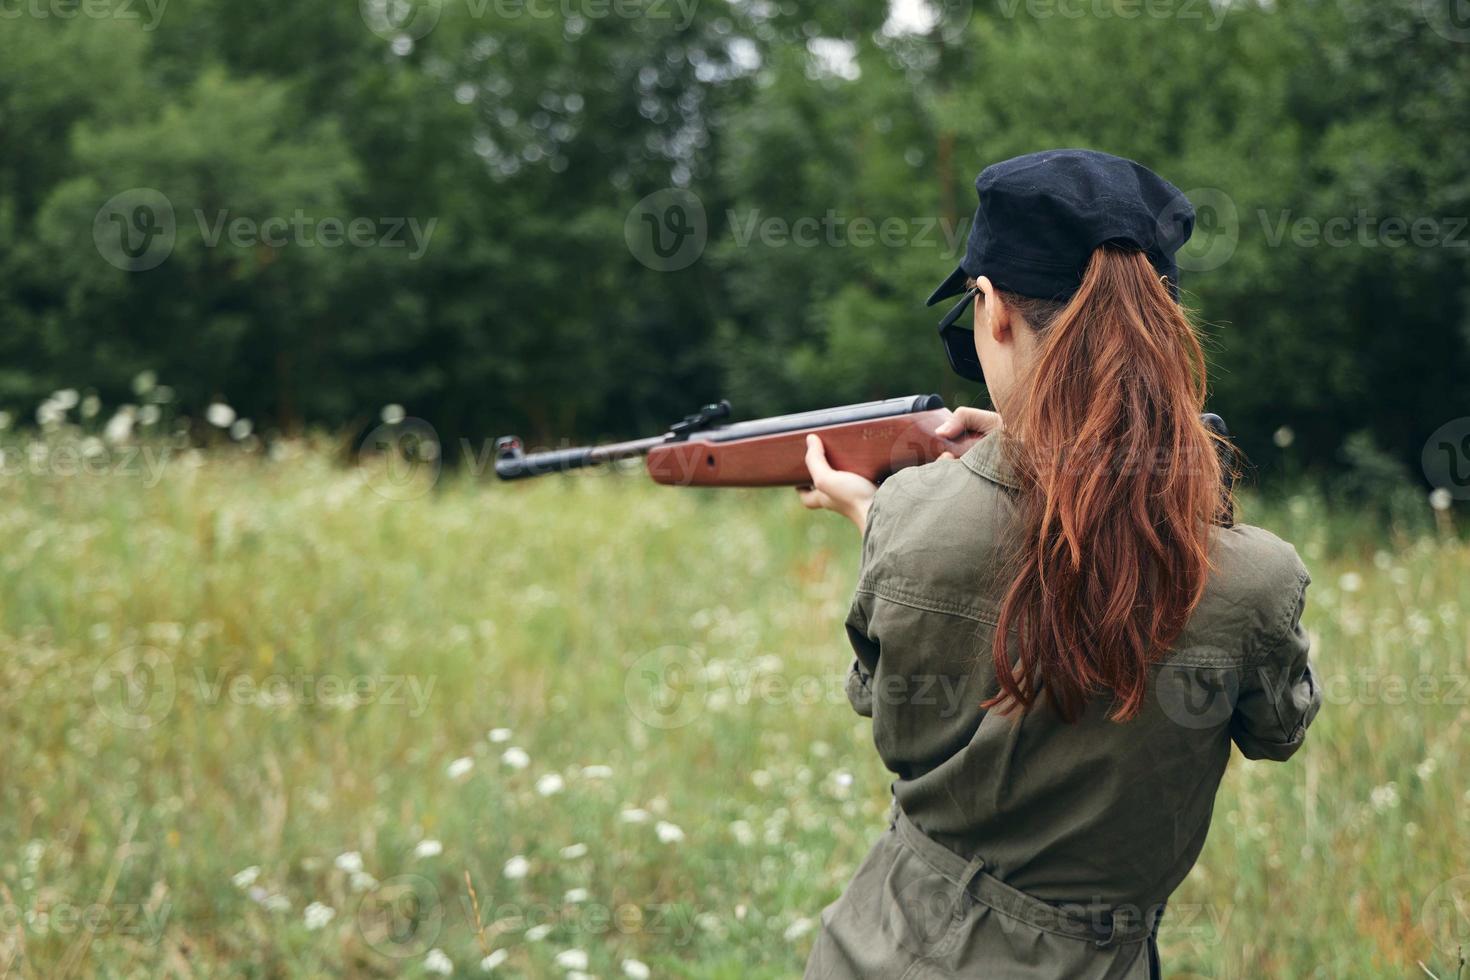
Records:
x=1059, y=634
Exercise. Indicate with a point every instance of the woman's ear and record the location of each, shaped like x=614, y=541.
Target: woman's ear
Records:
x=997, y=315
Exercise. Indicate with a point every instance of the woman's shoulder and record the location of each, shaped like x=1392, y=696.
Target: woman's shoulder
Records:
x=1250, y=558
x=1255, y=589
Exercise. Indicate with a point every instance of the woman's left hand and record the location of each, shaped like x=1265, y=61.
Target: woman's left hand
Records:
x=836, y=490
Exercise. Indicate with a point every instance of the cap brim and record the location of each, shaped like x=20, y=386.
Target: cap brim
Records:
x=952, y=286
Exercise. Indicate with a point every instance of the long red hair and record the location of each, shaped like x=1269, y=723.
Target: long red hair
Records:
x=1121, y=484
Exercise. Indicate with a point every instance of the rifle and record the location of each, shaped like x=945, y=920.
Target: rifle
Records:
x=874, y=439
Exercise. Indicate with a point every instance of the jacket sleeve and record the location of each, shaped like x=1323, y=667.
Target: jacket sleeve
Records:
x=859, y=632
x=1278, y=695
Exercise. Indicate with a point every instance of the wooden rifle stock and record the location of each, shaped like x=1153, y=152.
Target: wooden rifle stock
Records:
x=873, y=449
x=873, y=439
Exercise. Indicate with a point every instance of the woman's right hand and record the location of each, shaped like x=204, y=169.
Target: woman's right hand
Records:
x=969, y=421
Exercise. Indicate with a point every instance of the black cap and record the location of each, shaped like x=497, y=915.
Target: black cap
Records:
x=1042, y=215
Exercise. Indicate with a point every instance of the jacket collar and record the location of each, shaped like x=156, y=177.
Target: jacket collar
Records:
x=987, y=458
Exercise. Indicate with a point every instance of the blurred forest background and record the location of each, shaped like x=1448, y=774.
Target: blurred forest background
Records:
x=528, y=131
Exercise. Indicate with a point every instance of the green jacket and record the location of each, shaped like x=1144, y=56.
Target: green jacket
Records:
x=1021, y=846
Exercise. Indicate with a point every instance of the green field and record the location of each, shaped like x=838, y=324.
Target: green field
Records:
x=235, y=698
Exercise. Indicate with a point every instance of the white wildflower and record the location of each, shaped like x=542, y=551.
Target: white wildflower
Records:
x=500, y=734
x=246, y=877
x=516, y=758
x=1283, y=437
x=668, y=833
x=277, y=903
x=1384, y=797
x=743, y=833
x=66, y=399
x=91, y=405
x=219, y=415
x=537, y=933
x=438, y=962
x=634, y=815
x=636, y=969
x=496, y=958
x=517, y=868
x=1426, y=768
x=572, y=959
x=573, y=851
x=428, y=849
x=597, y=772
x=48, y=413
x=460, y=767
x=393, y=414
x=241, y=429
x=150, y=414
x=144, y=382
x=797, y=929
x=350, y=862
x=318, y=915
x=1350, y=582
x=1440, y=499
x=575, y=896
x=362, y=881
x=550, y=784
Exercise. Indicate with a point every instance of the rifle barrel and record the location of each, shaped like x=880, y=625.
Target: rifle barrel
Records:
x=512, y=464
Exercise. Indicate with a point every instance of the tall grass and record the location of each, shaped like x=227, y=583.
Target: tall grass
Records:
x=260, y=719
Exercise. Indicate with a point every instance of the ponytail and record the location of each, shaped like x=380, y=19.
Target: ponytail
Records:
x=1121, y=486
